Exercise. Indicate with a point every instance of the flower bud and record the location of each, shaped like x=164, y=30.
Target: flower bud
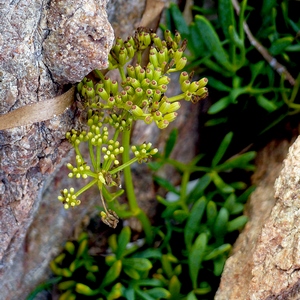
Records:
x=114, y=87
x=156, y=74
x=149, y=93
x=149, y=73
x=137, y=111
x=153, y=60
x=164, y=107
x=194, y=86
x=102, y=93
x=89, y=82
x=183, y=77
x=174, y=106
x=83, y=289
x=170, y=117
x=139, y=92
x=147, y=39
x=130, y=50
x=123, y=57
x=201, y=91
x=156, y=40
x=177, y=37
x=155, y=106
x=141, y=74
x=90, y=92
x=188, y=96
x=148, y=119
x=156, y=96
x=128, y=105
x=107, y=84
x=124, y=96
x=161, y=57
x=185, y=85
x=157, y=116
x=163, y=80
x=177, y=55
x=145, y=83
x=116, y=48
x=163, y=88
x=135, y=83
x=162, y=124
x=83, y=90
x=129, y=90
x=111, y=101
x=131, y=71
x=181, y=63
x=131, y=41
x=203, y=82
x=153, y=84
x=167, y=34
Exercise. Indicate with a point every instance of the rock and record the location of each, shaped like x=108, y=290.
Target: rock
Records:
x=30, y=153
x=265, y=260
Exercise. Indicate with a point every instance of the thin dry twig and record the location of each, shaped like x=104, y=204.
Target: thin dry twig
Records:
x=279, y=68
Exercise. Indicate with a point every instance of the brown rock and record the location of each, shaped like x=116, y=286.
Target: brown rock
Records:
x=30, y=153
x=265, y=260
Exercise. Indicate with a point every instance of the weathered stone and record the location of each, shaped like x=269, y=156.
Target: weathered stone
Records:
x=265, y=260
x=30, y=153
x=79, y=39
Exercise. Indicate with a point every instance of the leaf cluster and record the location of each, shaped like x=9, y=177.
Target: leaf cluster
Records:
x=243, y=67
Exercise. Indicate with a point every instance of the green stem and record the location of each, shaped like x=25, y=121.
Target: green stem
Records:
x=139, y=57
x=122, y=73
x=98, y=158
x=176, y=98
x=92, y=156
x=86, y=187
x=137, y=212
x=128, y=163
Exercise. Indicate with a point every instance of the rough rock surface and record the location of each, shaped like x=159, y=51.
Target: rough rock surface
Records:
x=265, y=260
x=78, y=40
x=28, y=154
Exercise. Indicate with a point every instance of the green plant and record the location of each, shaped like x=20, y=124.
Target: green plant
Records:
x=201, y=217
x=242, y=66
x=111, y=110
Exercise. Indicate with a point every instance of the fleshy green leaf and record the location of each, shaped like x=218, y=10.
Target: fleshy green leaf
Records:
x=220, y=226
x=193, y=221
x=195, y=257
x=279, y=45
x=237, y=223
x=141, y=264
x=158, y=293
x=226, y=15
x=222, y=149
x=220, y=105
x=220, y=184
x=112, y=274
x=265, y=103
x=179, y=20
x=239, y=162
x=217, y=251
x=166, y=184
x=212, y=41
x=174, y=286
x=123, y=240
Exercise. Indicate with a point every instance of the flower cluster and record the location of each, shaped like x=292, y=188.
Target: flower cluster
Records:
x=110, y=108
x=141, y=95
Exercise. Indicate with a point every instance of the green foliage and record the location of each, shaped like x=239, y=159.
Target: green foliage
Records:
x=239, y=75
x=200, y=218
